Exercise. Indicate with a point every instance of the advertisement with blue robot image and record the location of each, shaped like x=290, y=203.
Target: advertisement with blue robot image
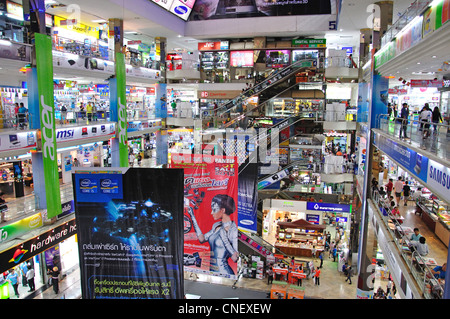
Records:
x=130, y=232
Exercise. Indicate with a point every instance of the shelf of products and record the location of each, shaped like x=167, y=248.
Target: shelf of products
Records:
x=435, y=214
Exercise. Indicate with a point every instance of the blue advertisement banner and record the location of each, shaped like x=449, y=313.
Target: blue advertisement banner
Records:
x=98, y=187
x=414, y=162
x=247, y=197
x=380, y=87
x=328, y=207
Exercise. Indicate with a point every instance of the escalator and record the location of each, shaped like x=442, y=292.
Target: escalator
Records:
x=251, y=243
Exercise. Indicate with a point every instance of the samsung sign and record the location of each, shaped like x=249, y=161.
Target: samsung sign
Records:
x=328, y=207
x=439, y=179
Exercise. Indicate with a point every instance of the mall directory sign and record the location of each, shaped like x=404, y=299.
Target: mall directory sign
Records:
x=130, y=232
x=44, y=66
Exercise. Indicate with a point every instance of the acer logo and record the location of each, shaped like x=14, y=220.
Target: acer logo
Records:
x=122, y=123
x=47, y=130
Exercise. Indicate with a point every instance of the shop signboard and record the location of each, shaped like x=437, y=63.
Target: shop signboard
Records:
x=210, y=213
x=409, y=36
x=16, y=141
x=78, y=62
x=208, y=46
x=130, y=233
x=77, y=134
x=439, y=179
x=241, y=59
x=43, y=47
x=435, y=17
x=426, y=83
x=415, y=163
x=328, y=207
x=18, y=254
x=309, y=43
x=385, y=54
x=180, y=9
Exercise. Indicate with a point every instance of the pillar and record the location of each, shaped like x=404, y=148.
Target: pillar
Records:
x=382, y=21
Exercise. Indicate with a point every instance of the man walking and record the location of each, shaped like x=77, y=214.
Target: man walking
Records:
x=404, y=120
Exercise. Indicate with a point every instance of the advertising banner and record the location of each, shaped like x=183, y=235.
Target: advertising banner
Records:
x=215, y=9
x=414, y=162
x=120, y=107
x=247, y=196
x=239, y=59
x=43, y=46
x=439, y=179
x=210, y=213
x=21, y=140
x=328, y=207
x=130, y=232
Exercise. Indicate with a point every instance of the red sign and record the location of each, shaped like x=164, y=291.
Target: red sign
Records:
x=206, y=46
x=211, y=216
x=426, y=84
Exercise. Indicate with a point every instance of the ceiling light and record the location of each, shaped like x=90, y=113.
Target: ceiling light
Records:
x=434, y=57
x=99, y=21
x=418, y=62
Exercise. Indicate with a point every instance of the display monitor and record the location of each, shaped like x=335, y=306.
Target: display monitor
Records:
x=239, y=59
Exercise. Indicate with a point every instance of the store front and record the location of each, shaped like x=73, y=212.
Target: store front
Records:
x=56, y=247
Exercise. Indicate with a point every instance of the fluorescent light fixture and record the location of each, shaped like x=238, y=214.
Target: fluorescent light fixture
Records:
x=99, y=21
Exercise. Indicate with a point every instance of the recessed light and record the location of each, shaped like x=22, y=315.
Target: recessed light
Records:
x=434, y=57
x=99, y=21
x=418, y=62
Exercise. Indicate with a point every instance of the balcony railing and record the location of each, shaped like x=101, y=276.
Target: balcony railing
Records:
x=431, y=287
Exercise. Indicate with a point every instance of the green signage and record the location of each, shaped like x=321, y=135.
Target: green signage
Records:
x=44, y=67
x=122, y=109
x=310, y=43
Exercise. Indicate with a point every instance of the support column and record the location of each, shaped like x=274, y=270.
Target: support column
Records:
x=381, y=21
x=117, y=96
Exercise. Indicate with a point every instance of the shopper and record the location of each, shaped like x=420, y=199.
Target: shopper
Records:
x=420, y=246
x=398, y=189
x=425, y=119
x=269, y=274
x=63, y=114
x=415, y=235
x=54, y=274
x=439, y=271
x=349, y=275
x=436, y=117
x=3, y=207
x=76, y=163
x=13, y=279
x=89, y=111
x=22, y=116
x=389, y=286
x=404, y=120
x=406, y=192
x=317, y=277
x=389, y=187
x=321, y=259
x=30, y=278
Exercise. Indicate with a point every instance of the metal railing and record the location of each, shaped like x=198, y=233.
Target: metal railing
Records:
x=417, y=264
x=432, y=136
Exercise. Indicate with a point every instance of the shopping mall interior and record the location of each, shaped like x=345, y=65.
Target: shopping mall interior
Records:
x=194, y=149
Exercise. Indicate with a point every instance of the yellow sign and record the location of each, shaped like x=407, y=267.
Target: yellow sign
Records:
x=78, y=27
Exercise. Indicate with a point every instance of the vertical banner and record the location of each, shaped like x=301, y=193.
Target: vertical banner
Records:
x=44, y=63
x=130, y=232
x=210, y=217
x=121, y=109
x=380, y=88
x=247, y=196
x=161, y=100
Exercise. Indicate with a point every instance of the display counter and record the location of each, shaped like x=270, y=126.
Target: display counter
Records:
x=435, y=214
x=297, y=249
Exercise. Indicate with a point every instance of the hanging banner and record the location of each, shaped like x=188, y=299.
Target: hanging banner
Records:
x=121, y=109
x=130, y=235
x=247, y=196
x=210, y=217
x=43, y=46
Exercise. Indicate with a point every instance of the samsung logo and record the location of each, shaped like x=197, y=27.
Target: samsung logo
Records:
x=180, y=10
x=440, y=177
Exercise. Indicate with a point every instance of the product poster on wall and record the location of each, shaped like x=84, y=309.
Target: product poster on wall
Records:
x=247, y=196
x=130, y=232
x=210, y=213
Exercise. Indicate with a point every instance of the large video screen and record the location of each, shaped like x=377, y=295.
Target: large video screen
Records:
x=226, y=9
x=241, y=59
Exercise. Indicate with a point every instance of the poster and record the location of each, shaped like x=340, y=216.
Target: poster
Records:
x=130, y=232
x=247, y=197
x=210, y=213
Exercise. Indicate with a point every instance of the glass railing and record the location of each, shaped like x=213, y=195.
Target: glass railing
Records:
x=432, y=137
x=431, y=287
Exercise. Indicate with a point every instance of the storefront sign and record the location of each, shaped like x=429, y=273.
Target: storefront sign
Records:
x=328, y=207
x=208, y=46
x=219, y=94
x=22, y=252
x=20, y=227
x=426, y=83
x=84, y=132
x=16, y=141
x=310, y=43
